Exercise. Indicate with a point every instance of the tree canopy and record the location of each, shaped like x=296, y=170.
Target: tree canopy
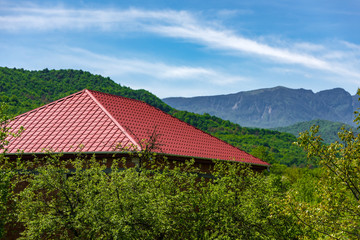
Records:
x=24, y=90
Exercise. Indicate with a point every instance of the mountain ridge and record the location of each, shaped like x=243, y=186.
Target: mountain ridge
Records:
x=273, y=107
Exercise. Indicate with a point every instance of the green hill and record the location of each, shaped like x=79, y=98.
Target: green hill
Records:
x=24, y=90
x=328, y=130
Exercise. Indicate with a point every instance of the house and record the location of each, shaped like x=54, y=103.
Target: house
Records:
x=103, y=124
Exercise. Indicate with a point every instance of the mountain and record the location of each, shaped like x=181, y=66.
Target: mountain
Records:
x=25, y=90
x=273, y=107
x=327, y=130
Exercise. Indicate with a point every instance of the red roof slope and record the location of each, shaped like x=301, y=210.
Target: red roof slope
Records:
x=92, y=121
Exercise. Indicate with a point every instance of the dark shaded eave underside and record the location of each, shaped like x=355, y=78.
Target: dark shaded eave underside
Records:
x=15, y=155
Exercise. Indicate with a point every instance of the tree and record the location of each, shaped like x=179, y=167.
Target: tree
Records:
x=152, y=201
x=335, y=207
x=6, y=172
x=263, y=153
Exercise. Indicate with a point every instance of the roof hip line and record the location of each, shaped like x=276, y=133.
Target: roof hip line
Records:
x=113, y=119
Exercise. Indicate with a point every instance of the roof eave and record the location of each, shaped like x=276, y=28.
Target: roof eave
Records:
x=129, y=152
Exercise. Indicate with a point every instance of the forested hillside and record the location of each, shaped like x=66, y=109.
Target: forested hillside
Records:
x=327, y=130
x=24, y=90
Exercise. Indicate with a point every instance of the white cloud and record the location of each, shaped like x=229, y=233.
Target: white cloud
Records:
x=36, y=18
x=309, y=47
x=351, y=45
x=112, y=66
x=229, y=41
x=181, y=25
x=138, y=73
x=229, y=13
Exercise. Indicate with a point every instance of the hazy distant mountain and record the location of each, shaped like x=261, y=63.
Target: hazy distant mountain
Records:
x=273, y=107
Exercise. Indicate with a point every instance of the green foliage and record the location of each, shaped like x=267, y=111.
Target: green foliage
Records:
x=158, y=200
x=86, y=199
x=24, y=90
x=332, y=210
x=5, y=174
x=327, y=130
x=4, y=195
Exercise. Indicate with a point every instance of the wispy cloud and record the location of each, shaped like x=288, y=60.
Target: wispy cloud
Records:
x=181, y=25
x=230, y=41
x=43, y=19
x=309, y=47
x=114, y=66
x=142, y=71
x=355, y=48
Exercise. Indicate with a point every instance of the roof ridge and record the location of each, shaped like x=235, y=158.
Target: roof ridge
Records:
x=111, y=117
x=114, y=95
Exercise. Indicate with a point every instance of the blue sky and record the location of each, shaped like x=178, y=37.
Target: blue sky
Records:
x=189, y=48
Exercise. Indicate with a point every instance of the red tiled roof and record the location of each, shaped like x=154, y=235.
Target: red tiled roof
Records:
x=92, y=121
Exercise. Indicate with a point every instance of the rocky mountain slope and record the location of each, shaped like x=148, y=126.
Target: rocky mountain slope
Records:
x=273, y=107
